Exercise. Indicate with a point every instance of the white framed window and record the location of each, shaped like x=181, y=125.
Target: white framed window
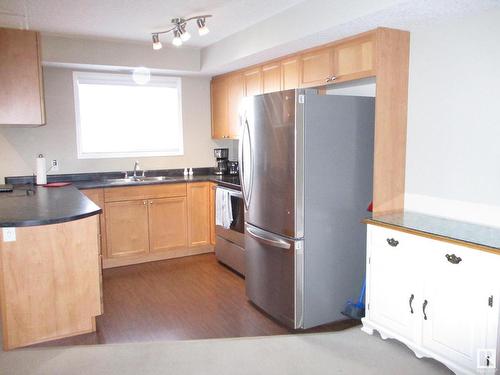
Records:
x=116, y=117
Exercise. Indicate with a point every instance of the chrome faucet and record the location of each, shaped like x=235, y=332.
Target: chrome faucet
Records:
x=136, y=166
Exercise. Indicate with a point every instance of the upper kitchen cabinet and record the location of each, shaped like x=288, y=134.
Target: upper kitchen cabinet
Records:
x=219, y=108
x=271, y=77
x=316, y=67
x=21, y=87
x=253, y=81
x=354, y=59
x=290, y=73
x=226, y=95
x=235, y=94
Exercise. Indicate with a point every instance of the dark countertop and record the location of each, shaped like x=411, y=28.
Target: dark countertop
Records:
x=472, y=235
x=62, y=204
x=44, y=206
x=228, y=181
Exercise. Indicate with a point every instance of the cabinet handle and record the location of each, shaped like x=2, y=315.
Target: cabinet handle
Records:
x=453, y=259
x=424, y=306
x=331, y=79
x=150, y=202
x=392, y=242
x=412, y=297
x=144, y=202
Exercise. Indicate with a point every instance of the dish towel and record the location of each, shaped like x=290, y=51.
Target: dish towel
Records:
x=223, y=210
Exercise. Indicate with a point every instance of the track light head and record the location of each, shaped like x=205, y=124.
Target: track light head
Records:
x=202, y=26
x=177, y=41
x=185, y=35
x=156, y=42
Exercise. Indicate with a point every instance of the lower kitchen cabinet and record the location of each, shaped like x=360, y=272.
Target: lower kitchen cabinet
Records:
x=127, y=228
x=167, y=223
x=199, y=213
x=440, y=299
x=154, y=222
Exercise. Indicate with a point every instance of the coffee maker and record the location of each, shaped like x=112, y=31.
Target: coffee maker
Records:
x=221, y=157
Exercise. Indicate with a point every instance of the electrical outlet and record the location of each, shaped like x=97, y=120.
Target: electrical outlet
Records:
x=9, y=234
x=55, y=165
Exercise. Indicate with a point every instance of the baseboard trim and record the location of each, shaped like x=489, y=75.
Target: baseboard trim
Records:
x=152, y=257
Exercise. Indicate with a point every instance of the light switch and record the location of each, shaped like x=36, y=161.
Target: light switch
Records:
x=9, y=234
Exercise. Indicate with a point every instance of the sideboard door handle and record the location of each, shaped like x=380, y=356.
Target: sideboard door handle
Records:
x=412, y=297
x=424, y=306
x=453, y=259
x=392, y=242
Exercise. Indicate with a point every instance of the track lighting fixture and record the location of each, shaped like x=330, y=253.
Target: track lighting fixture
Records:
x=179, y=30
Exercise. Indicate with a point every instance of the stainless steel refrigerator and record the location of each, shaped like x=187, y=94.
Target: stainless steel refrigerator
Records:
x=306, y=165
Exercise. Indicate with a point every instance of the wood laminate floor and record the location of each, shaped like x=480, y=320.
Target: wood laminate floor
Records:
x=178, y=299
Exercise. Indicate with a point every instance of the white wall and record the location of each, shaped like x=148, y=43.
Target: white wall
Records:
x=453, y=147
x=57, y=139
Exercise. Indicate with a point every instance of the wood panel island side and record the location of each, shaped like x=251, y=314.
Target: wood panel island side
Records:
x=50, y=265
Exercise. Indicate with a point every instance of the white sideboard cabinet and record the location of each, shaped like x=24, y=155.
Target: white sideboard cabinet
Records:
x=439, y=298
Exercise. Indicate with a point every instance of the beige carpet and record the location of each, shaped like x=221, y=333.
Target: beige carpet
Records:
x=347, y=352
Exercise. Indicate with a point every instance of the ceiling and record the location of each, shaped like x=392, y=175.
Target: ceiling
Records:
x=134, y=20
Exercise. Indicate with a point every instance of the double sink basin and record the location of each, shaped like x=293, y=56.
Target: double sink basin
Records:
x=139, y=179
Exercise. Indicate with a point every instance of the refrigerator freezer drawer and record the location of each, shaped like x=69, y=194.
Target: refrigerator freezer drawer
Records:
x=230, y=254
x=274, y=275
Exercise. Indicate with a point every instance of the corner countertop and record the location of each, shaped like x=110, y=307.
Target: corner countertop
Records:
x=44, y=206
x=472, y=235
x=52, y=205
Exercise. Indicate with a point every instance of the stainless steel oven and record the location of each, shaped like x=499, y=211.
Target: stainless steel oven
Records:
x=230, y=242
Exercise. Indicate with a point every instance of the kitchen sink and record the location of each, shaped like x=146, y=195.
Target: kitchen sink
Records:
x=139, y=179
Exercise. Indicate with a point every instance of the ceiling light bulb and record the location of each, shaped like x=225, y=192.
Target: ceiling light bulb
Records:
x=177, y=41
x=202, y=27
x=185, y=36
x=156, y=42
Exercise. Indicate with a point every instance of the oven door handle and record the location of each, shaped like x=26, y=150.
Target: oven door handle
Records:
x=234, y=193
x=268, y=241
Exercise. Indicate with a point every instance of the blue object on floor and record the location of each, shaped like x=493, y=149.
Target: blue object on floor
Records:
x=356, y=310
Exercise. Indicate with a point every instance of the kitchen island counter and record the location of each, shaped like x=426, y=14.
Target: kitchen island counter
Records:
x=32, y=206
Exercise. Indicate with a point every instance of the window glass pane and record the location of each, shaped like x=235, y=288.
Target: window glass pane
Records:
x=121, y=118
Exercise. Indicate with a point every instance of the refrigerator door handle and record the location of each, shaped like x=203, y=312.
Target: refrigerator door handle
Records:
x=243, y=166
x=268, y=241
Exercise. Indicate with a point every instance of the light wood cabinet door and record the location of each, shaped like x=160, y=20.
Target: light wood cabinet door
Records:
x=271, y=78
x=253, y=82
x=354, y=59
x=290, y=73
x=167, y=223
x=316, y=67
x=212, y=213
x=97, y=196
x=21, y=85
x=235, y=92
x=127, y=228
x=219, y=104
x=198, y=213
